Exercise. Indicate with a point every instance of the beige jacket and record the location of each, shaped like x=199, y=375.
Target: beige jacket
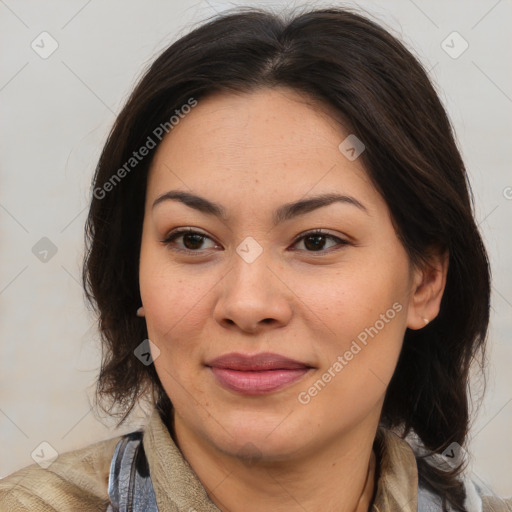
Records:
x=78, y=480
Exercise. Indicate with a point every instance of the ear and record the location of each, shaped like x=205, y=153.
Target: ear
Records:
x=427, y=289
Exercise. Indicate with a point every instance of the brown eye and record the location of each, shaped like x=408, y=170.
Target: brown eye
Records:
x=315, y=241
x=192, y=241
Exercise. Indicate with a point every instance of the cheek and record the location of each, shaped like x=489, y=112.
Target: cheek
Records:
x=355, y=298
x=176, y=303
x=176, y=306
x=379, y=280
x=364, y=307
x=358, y=355
x=167, y=293
x=174, y=317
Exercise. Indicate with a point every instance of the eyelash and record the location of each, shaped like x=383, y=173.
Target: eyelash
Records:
x=188, y=231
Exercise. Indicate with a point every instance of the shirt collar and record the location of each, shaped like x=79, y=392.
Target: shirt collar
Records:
x=397, y=484
x=177, y=487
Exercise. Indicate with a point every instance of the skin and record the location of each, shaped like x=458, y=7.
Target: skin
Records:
x=252, y=153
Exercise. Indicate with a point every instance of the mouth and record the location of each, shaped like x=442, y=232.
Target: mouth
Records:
x=256, y=374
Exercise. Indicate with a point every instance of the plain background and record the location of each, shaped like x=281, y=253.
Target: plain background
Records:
x=56, y=113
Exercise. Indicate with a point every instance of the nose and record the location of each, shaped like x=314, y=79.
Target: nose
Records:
x=253, y=297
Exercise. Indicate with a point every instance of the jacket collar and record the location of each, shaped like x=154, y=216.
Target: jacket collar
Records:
x=177, y=487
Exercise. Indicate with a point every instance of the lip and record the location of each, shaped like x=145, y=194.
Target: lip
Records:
x=256, y=374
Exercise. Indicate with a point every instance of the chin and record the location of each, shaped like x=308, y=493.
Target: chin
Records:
x=257, y=449
x=255, y=439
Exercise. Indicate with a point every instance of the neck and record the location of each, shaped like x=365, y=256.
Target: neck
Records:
x=338, y=477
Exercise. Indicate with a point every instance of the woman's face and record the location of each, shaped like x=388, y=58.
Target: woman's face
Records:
x=324, y=314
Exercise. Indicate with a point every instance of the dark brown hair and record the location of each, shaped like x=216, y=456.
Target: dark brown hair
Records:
x=383, y=94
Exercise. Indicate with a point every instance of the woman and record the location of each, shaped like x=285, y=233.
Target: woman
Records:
x=285, y=263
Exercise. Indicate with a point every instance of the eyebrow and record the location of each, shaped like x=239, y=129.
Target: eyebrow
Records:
x=282, y=214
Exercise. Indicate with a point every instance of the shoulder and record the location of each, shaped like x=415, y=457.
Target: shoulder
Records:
x=485, y=499
x=477, y=499
x=399, y=470
x=495, y=504
x=76, y=480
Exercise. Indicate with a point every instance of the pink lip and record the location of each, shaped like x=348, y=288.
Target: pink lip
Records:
x=258, y=374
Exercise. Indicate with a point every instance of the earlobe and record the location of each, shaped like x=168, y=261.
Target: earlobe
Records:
x=427, y=290
x=140, y=311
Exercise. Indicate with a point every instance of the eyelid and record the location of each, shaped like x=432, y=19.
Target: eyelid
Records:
x=172, y=235
x=176, y=233
x=317, y=231
x=321, y=232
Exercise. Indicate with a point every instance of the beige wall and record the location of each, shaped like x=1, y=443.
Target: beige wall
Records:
x=56, y=112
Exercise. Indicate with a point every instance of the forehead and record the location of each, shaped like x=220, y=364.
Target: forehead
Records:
x=267, y=142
